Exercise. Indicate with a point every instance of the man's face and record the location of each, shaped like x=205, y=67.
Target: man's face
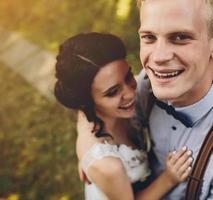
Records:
x=175, y=50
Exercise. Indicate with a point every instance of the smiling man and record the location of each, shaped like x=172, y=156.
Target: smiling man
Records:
x=176, y=51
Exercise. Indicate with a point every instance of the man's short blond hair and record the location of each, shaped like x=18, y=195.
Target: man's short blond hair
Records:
x=208, y=13
x=209, y=16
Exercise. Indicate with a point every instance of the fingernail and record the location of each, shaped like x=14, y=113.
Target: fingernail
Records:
x=190, y=159
x=174, y=152
x=189, y=152
x=184, y=148
x=189, y=168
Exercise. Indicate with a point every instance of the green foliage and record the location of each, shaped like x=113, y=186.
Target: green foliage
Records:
x=37, y=143
x=37, y=138
x=48, y=23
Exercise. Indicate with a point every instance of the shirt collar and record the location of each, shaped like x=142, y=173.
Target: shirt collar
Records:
x=197, y=110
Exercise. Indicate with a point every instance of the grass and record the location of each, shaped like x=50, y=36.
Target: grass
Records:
x=37, y=144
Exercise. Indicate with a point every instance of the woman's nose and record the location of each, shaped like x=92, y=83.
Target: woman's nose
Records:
x=129, y=91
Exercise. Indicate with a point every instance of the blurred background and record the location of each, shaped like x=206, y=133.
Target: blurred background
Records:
x=37, y=135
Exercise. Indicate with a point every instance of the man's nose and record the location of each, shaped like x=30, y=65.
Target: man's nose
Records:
x=162, y=52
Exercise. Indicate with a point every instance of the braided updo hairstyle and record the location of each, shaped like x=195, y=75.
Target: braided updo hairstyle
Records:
x=79, y=59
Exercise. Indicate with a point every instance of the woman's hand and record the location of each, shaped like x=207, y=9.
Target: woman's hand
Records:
x=83, y=177
x=178, y=165
x=178, y=168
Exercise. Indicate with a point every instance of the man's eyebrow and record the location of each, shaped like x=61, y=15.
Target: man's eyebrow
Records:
x=144, y=31
x=181, y=32
x=139, y=30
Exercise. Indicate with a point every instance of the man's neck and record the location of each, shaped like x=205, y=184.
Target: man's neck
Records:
x=191, y=98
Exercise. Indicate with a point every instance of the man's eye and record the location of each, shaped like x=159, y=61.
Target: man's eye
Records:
x=180, y=38
x=148, y=38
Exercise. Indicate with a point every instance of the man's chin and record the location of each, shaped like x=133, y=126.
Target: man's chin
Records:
x=164, y=95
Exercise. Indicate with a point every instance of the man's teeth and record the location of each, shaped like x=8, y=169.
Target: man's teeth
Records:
x=167, y=75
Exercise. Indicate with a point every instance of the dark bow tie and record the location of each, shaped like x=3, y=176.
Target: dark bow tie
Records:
x=183, y=118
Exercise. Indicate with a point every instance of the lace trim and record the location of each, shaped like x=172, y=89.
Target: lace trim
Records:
x=97, y=152
x=134, y=160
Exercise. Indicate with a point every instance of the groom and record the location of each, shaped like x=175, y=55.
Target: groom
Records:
x=176, y=51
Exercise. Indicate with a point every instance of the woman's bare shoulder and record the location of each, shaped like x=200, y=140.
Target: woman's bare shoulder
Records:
x=107, y=168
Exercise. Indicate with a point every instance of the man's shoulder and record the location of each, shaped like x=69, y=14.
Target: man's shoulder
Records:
x=143, y=90
x=143, y=81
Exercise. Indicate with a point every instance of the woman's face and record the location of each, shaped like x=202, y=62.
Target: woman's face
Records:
x=113, y=91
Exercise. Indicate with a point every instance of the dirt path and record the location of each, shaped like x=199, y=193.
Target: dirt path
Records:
x=30, y=61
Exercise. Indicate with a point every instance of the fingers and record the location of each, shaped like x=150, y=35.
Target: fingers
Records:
x=170, y=155
x=179, y=164
x=185, y=169
x=84, y=178
x=80, y=172
x=82, y=175
x=179, y=156
x=184, y=161
x=185, y=174
x=185, y=165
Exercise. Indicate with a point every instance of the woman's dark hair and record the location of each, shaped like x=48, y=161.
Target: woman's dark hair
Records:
x=79, y=59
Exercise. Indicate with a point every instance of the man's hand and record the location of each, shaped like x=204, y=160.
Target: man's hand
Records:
x=82, y=175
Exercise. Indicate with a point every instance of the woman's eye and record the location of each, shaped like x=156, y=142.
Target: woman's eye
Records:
x=111, y=93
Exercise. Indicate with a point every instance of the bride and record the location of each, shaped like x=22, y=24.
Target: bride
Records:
x=93, y=77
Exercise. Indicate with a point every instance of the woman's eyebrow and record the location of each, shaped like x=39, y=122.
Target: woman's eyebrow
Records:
x=109, y=89
x=117, y=85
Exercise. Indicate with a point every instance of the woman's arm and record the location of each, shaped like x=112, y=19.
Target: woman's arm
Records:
x=111, y=178
x=85, y=140
x=108, y=173
x=178, y=167
x=85, y=137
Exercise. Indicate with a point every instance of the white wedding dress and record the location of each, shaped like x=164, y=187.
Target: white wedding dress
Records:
x=135, y=163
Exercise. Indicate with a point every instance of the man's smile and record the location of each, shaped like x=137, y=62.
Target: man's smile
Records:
x=163, y=74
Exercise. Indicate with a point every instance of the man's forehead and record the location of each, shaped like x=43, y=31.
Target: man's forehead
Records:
x=161, y=15
x=161, y=5
x=141, y=3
